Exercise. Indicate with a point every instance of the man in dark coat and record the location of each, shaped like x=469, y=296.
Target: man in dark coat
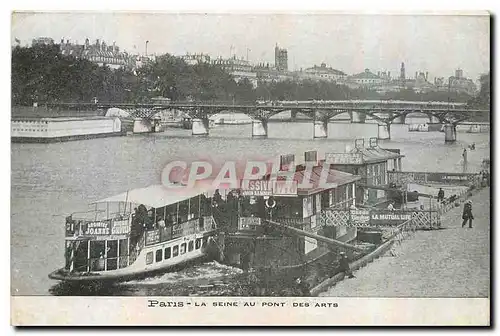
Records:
x=344, y=265
x=467, y=214
x=440, y=197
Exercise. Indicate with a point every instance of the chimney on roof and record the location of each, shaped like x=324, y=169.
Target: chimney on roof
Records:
x=416, y=74
x=62, y=41
x=389, y=74
x=426, y=75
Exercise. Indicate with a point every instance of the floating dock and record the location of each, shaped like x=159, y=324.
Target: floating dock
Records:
x=25, y=129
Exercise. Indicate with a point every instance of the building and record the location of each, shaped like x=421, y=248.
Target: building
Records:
x=323, y=73
x=366, y=79
x=42, y=41
x=238, y=68
x=268, y=73
x=461, y=84
x=99, y=52
x=193, y=59
x=371, y=163
x=281, y=59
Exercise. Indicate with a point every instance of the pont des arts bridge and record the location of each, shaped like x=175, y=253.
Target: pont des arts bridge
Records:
x=385, y=113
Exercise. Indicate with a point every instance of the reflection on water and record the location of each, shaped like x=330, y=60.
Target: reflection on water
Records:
x=50, y=181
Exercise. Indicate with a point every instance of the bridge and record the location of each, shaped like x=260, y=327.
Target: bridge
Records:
x=384, y=112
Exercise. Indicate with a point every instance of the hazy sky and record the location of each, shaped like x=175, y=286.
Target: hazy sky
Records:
x=438, y=44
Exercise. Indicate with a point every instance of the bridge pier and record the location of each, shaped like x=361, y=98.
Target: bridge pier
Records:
x=358, y=117
x=384, y=131
x=320, y=129
x=142, y=125
x=401, y=119
x=259, y=128
x=200, y=126
x=450, y=133
x=434, y=120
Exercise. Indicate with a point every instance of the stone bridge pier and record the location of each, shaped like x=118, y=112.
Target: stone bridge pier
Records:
x=399, y=118
x=320, y=129
x=321, y=118
x=384, y=131
x=259, y=128
x=200, y=126
x=358, y=117
x=434, y=120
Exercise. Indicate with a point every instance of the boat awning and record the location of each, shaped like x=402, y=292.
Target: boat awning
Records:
x=157, y=195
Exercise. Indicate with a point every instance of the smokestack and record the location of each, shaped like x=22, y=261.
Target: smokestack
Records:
x=426, y=75
x=389, y=74
x=416, y=74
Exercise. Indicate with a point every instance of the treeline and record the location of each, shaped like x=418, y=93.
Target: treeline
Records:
x=42, y=74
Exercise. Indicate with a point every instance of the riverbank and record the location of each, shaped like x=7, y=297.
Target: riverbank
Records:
x=453, y=262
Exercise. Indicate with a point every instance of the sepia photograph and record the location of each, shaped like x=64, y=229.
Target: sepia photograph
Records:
x=272, y=160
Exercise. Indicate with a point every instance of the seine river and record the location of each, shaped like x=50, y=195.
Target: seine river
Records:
x=50, y=181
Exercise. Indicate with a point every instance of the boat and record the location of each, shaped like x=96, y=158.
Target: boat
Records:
x=297, y=241
x=169, y=227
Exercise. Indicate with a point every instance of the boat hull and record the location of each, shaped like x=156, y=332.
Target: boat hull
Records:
x=142, y=268
x=63, y=275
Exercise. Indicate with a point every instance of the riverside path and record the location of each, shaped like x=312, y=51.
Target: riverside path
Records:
x=452, y=262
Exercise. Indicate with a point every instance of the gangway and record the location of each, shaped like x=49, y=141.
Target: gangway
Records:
x=323, y=239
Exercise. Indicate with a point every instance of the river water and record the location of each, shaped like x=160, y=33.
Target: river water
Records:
x=50, y=181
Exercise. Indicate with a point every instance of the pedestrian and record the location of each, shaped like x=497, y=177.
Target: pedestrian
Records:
x=440, y=196
x=344, y=265
x=467, y=214
x=303, y=287
x=464, y=155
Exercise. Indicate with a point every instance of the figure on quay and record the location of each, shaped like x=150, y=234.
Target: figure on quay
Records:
x=440, y=196
x=467, y=214
x=344, y=265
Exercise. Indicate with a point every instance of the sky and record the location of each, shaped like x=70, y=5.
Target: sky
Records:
x=438, y=44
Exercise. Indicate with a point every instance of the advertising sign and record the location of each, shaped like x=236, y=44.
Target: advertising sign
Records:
x=152, y=237
x=360, y=217
x=120, y=227
x=388, y=217
x=285, y=188
x=268, y=188
x=343, y=158
x=97, y=228
x=256, y=188
x=249, y=223
x=424, y=177
x=177, y=231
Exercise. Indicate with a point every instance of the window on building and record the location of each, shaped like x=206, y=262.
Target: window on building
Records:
x=198, y=243
x=183, y=248
x=191, y=246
